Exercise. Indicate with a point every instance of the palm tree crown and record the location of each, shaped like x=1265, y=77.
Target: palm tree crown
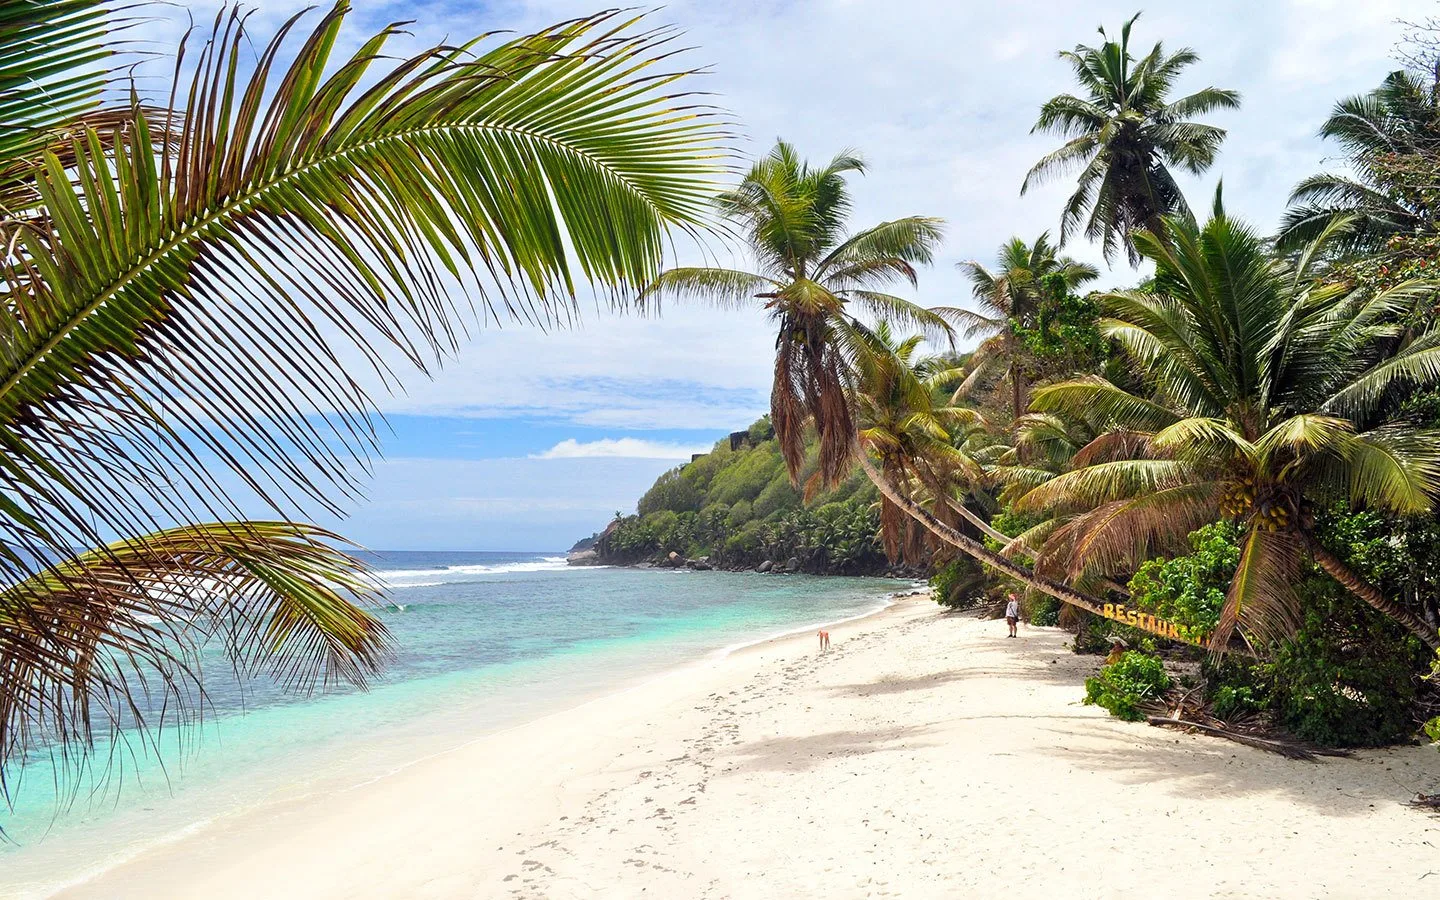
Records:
x=810, y=275
x=1124, y=135
x=1263, y=401
x=1012, y=294
x=1399, y=118
x=905, y=423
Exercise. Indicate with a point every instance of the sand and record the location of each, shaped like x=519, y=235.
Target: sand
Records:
x=924, y=756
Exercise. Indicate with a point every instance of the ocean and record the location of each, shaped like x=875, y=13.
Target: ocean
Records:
x=484, y=641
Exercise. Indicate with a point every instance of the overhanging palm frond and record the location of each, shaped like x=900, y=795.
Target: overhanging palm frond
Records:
x=53, y=69
x=77, y=639
x=725, y=288
x=1262, y=597
x=1114, y=538
x=221, y=274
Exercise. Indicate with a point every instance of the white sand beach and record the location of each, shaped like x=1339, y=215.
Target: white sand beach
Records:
x=924, y=756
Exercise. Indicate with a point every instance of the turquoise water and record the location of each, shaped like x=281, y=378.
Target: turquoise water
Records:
x=484, y=641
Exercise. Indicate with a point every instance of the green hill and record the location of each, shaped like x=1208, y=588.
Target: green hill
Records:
x=736, y=507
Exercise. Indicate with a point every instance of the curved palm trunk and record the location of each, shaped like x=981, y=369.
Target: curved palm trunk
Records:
x=976, y=549
x=1371, y=594
x=975, y=520
x=1063, y=593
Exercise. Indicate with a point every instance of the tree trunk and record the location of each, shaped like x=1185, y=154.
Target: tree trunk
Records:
x=1371, y=594
x=976, y=549
x=1017, y=390
x=960, y=507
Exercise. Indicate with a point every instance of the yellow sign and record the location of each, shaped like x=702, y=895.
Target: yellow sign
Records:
x=1147, y=622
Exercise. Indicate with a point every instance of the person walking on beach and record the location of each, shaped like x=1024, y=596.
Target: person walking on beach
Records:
x=1012, y=613
x=824, y=640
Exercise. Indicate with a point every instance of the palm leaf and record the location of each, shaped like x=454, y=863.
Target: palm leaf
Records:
x=77, y=639
x=1262, y=598
x=725, y=288
x=54, y=65
x=220, y=275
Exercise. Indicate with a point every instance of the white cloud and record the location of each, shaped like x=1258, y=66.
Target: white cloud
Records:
x=621, y=448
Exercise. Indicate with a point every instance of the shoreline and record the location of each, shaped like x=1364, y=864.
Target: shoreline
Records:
x=122, y=858
x=894, y=765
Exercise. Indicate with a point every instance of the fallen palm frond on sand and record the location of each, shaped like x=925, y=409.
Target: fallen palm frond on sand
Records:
x=1284, y=746
x=1426, y=801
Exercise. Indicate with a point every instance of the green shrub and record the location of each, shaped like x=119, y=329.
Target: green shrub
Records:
x=1044, y=610
x=1125, y=684
x=958, y=584
x=1348, y=677
x=1230, y=701
x=1190, y=590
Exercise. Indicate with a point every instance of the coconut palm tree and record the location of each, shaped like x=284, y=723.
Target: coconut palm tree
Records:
x=1400, y=118
x=1124, y=134
x=812, y=277
x=1013, y=294
x=810, y=272
x=1264, y=402
x=915, y=439
x=184, y=282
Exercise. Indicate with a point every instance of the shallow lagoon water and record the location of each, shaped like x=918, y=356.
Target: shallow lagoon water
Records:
x=484, y=641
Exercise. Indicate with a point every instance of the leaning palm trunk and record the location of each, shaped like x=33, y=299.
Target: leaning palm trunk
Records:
x=983, y=554
x=975, y=520
x=1371, y=595
x=976, y=549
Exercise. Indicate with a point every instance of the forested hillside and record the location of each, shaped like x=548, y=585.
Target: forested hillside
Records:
x=736, y=508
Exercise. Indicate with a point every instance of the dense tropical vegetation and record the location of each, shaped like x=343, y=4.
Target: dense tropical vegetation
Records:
x=1243, y=443
x=183, y=276
x=736, y=507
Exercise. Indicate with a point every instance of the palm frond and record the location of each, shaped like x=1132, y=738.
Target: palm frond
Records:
x=1262, y=598
x=1115, y=537
x=77, y=638
x=1102, y=483
x=892, y=247
x=903, y=312
x=1396, y=468
x=220, y=274
x=55, y=62
x=724, y=288
x=1095, y=399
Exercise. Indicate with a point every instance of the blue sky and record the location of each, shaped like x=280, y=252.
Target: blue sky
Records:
x=528, y=440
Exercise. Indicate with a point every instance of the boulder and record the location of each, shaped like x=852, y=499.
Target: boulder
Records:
x=674, y=560
x=701, y=564
x=792, y=564
x=765, y=566
x=582, y=558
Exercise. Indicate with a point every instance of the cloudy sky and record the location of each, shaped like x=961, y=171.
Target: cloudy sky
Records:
x=528, y=441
